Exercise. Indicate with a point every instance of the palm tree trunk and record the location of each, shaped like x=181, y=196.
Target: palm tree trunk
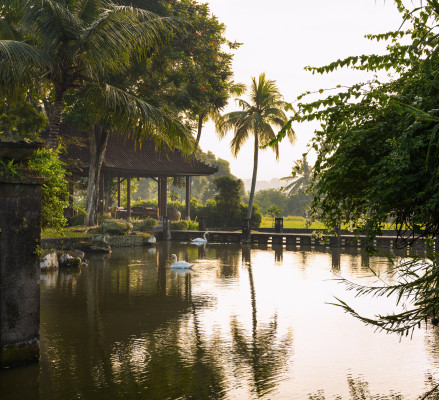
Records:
x=98, y=144
x=200, y=128
x=255, y=172
x=55, y=118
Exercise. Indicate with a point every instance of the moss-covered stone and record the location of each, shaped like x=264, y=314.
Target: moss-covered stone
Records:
x=12, y=355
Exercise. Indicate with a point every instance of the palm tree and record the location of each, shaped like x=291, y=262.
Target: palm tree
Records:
x=69, y=44
x=301, y=177
x=266, y=108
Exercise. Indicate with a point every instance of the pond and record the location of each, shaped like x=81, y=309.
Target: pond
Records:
x=245, y=323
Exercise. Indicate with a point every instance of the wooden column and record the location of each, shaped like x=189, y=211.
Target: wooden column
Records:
x=129, y=198
x=159, y=195
x=164, y=187
x=188, y=198
x=101, y=194
x=118, y=191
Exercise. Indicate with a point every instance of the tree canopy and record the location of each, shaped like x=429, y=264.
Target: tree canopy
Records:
x=377, y=144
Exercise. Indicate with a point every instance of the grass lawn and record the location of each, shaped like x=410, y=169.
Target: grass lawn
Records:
x=67, y=232
x=291, y=222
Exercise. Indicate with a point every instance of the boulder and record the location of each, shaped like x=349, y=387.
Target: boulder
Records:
x=100, y=239
x=66, y=260
x=49, y=261
x=100, y=249
x=79, y=253
x=151, y=240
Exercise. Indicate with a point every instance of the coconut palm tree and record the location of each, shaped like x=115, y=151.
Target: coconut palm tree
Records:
x=68, y=45
x=265, y=109
x=301, y=177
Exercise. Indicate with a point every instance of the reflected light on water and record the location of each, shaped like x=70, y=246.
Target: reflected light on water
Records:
x=244, y=323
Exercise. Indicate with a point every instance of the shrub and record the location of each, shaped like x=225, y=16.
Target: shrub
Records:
x=76, y=220
x=115, y=226
x=181, y=225
x=145, y=225
x=193, y=226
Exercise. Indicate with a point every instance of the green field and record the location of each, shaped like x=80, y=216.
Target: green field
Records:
x=291, y=222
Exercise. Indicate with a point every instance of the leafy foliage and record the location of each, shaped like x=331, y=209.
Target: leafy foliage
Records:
x=377, y=145
x=54, y=196
x=416, y=291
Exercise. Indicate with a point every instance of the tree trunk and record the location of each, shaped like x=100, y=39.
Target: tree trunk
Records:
x=55, y=118
x=200, y=128
x=98, y=144
x=255, y=172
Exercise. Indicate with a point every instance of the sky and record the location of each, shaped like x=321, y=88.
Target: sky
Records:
x=280, y=38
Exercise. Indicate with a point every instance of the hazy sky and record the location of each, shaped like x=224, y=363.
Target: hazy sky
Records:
x=280, y=38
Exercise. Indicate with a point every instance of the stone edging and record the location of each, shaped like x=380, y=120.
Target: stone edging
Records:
x=113, y=241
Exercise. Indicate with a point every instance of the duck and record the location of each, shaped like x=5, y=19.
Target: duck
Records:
x=202, y=240
x=179, y=264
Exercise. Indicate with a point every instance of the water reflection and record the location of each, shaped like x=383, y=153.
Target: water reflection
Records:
x=359, y=390
x=128, y=327
x=263, y=352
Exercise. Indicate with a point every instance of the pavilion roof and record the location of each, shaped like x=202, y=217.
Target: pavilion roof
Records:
x=125, y=157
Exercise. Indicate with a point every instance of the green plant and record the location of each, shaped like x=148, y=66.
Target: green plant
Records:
x=145, y=225
x=9, y=168
x=181, y=225
x=193, y=226
x=54, y=191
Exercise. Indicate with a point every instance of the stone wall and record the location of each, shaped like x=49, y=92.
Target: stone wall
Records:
x=114, y=241
x=20, y=214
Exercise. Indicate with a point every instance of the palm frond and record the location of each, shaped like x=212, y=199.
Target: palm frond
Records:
x=21, y=63
x=52, y=22
x=133, y=116
x=118, y=33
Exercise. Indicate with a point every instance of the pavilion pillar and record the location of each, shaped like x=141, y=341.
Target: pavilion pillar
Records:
x=118, y=191
x=164, y=190
x=129, y=198
x=101, y=194
x=188, y=198
x=159, y=195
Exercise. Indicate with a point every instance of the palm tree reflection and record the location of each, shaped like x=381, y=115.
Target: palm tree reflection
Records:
x=359, y=390
x=264, y=353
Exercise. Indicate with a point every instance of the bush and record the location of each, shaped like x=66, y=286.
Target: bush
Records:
x=145, y=225
x=181, y=225
x=76, y=220
x=54, y=191
x=193, y=226
x=115, y=226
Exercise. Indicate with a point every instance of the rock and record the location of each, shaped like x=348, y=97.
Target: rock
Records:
x=66, y=260
x=151, y=240
x=100, y=239
x=100, y=249
x=80, y=254
x=115, y=227
x=49, y=261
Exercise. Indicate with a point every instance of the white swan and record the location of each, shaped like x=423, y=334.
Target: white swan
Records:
x=179, y=264
x=202, y=240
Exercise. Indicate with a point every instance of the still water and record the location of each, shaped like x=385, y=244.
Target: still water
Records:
x=245, y=323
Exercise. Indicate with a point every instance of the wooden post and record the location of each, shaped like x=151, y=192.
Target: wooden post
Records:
x=118, y=191
x=188, y=198
x=164, y=187
x=129, y=198
x=159, y=196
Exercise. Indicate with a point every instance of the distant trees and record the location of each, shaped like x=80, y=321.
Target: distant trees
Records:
x=265, y=109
